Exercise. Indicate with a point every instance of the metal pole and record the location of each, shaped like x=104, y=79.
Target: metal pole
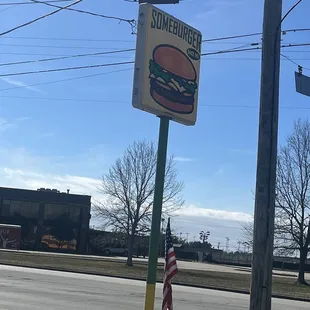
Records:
x=262, y=258
x=156, y=215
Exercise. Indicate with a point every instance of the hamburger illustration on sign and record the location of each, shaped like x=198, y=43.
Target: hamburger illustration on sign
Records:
x=172, y=79
x=167, y=66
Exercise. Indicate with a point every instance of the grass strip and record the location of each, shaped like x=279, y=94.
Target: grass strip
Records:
x=238, y=282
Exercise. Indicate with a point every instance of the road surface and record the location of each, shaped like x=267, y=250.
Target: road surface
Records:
x=25, y=289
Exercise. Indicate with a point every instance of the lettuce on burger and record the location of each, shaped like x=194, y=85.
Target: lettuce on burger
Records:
x=172, y=79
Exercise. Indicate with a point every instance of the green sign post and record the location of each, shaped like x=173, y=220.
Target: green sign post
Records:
x=166, y=79
x=156, y=215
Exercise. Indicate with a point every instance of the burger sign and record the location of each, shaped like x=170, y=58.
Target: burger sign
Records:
x=167, y=66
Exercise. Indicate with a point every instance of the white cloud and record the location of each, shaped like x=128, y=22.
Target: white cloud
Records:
x=33, y=180
x=191, y=210
x=220, y=171
x=183, y=159
x=47, y=135
x=23, y=118
x=212, y=7
x=243, y=151
x=21, y=84
x=5, y=125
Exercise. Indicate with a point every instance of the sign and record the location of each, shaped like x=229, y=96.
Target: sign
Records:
x=167, y=66
x=302, y=83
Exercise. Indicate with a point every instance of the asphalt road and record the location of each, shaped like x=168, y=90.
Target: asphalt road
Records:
x=25, y=288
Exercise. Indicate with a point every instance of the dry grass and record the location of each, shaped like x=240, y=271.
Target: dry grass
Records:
x=282, y=286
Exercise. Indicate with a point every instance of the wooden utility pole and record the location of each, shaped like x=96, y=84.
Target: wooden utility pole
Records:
x=262, y=261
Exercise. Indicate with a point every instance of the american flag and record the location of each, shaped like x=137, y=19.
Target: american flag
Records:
x=171, y=270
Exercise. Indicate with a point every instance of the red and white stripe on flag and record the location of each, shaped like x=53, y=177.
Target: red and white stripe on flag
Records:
x=171, y=270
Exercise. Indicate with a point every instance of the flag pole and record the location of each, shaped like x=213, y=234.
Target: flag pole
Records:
x=156, y=214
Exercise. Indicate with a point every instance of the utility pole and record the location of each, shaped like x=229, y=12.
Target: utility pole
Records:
x=262, y=261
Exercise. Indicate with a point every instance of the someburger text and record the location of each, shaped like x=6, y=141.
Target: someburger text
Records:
x=165, y=22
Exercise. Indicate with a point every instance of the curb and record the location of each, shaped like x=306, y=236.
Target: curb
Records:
x=143, y=279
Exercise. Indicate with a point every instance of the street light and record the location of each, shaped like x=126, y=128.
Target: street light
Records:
x=204, y=236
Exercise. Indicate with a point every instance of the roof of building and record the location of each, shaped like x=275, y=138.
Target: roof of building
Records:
x=44, y=195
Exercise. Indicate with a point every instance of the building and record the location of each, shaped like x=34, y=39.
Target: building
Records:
x=50, y=220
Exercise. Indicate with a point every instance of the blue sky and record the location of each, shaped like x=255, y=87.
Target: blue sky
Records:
x=66, y=134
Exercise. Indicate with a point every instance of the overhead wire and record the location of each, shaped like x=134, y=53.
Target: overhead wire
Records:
x=65, y=57
x=215, y=40
x=130, y=21
x=30, y=2
x=128, y=102
x=8, y=8
x=231, y=51
x=39, y=18
x=59, y=46
x=69, y=39
x=109, y=64
x=67, y=69
x=233, y=37
x=295, y=63
x=65, y=80
x=252, y=35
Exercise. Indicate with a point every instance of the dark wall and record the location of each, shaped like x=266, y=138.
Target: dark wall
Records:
x=49, y=220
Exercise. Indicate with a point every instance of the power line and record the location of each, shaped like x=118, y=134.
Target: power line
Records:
x=8, y=8
x=295, y=30
x=39, y=18
x=294, y=62
x=252, y=35
x=70, y=39
x=68, y=68
x=60, y=46
x=102, y=48
x=290, y=11
x=27, y=2
x=130, y=21
x=233, y=37
x=127, y=102
x=254, y=48
x=66, y=80
x=122, y=57
x=295, y=45
x=62, y=55
x=110, y=64
x=65, y=57
x=115, y=40
x=231, y=51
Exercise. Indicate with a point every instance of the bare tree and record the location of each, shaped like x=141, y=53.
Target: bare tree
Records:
x=283, y=244
x=292, y=220
x=247, y=232
x=129, y=188
x=293, y=209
